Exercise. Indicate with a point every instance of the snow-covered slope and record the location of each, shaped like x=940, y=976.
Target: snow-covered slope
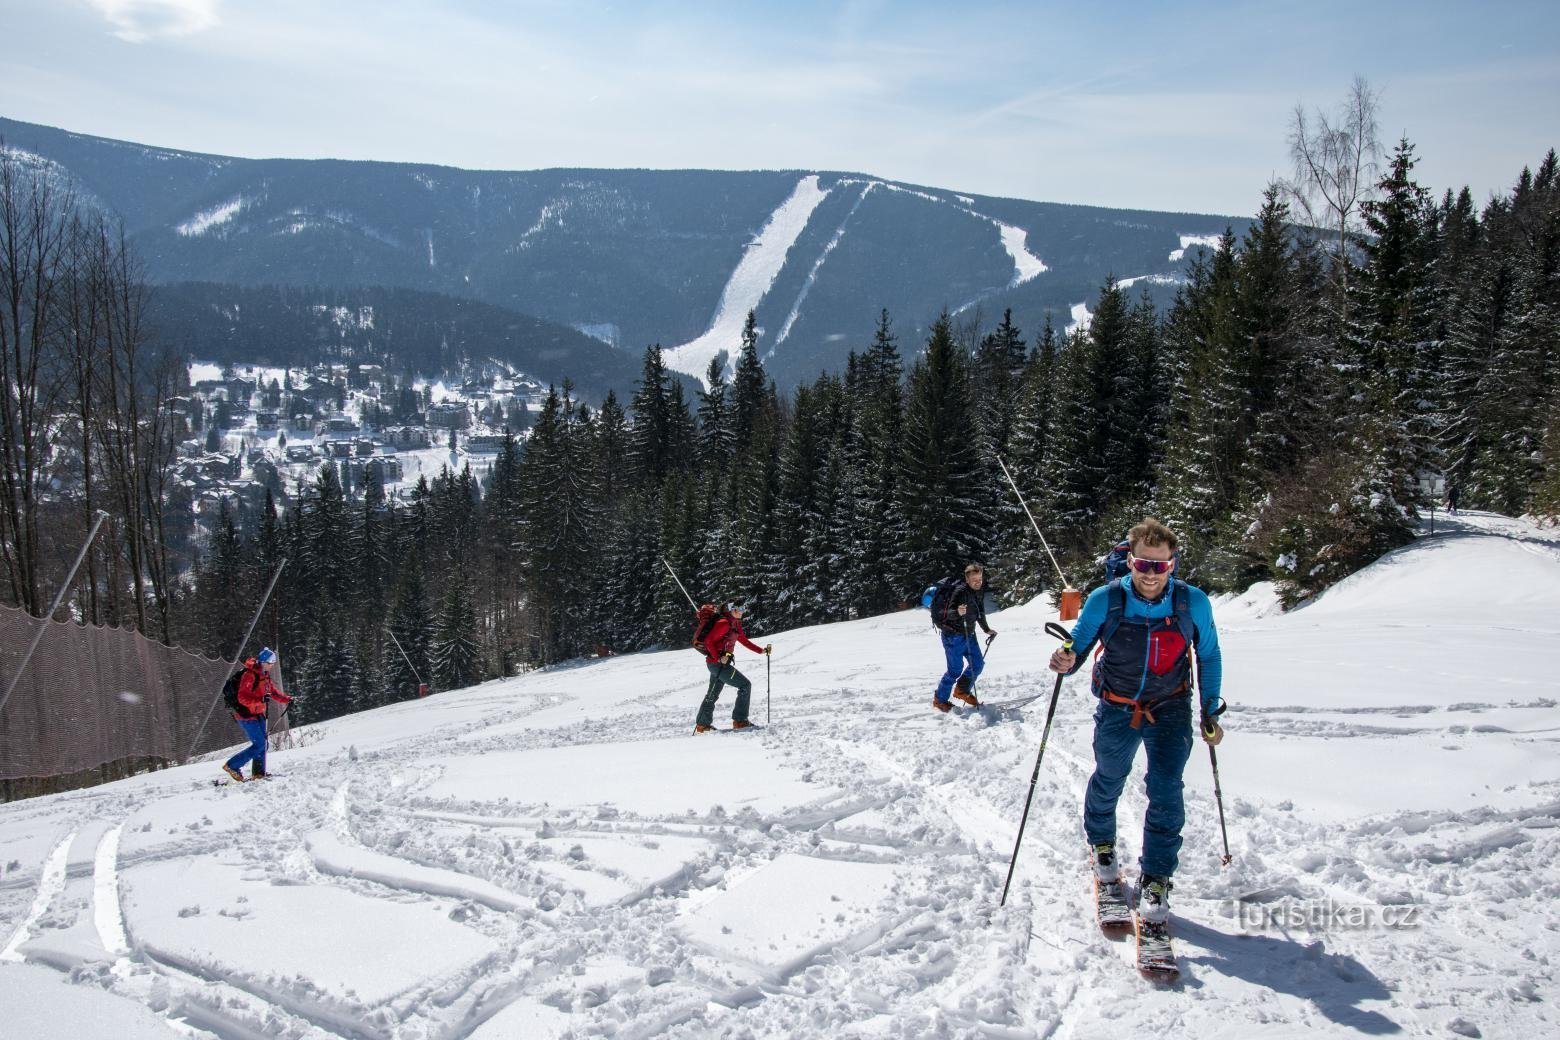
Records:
x=555, y=855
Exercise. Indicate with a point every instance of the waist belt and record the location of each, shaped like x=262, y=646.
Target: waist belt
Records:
x=1140, y=710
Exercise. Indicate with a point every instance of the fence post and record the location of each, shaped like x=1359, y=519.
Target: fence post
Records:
x=58, y=599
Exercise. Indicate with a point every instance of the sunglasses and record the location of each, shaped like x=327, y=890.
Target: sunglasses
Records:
x=1150, y=566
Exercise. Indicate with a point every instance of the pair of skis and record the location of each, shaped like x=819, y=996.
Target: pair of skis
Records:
x=1118, y=918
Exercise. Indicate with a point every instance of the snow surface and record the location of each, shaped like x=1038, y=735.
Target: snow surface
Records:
x=755, y=273
x=1153, y=279
x=812, y=275
x=766, y=255
x=1082, y=318
x=555, y=856
x=1187, y=241
x=207, y=219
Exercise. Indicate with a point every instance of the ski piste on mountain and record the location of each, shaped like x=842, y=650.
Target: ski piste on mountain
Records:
x=556, y=853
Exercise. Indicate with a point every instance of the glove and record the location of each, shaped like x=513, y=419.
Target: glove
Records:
x=1212, y=732
x=767, y=648
x=726, y=658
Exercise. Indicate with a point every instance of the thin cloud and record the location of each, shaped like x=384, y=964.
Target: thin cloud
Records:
x=140, y=21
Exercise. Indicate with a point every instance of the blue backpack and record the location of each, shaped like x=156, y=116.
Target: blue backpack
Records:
x=935, y=599
x=1116, y=565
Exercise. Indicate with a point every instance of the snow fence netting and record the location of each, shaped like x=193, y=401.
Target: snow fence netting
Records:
x=94, y=696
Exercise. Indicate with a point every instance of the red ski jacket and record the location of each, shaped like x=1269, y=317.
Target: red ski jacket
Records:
x=254, y=687
x=724, y=637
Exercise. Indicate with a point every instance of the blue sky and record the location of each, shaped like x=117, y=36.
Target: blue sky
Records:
x=1173, y=106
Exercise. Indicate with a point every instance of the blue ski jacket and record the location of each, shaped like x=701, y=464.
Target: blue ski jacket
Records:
x=1209, y=664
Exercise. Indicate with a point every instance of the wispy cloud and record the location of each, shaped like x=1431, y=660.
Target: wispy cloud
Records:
x=138, y=21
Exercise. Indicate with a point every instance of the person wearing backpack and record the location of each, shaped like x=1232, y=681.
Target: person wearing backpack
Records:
x=247, y=694
x=1147, y=625
x=957, y=607
x=719, y=646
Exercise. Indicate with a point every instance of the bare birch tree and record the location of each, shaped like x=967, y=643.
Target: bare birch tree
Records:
x=1336, y=165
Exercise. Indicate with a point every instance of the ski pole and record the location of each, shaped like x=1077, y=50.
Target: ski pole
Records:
x=1052, y=628
x=678, y=580
x=1208, y=722
x=768, y=677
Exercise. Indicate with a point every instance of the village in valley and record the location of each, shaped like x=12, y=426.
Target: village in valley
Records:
x=255, y=428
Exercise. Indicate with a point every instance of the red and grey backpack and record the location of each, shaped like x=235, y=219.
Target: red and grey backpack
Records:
x=703, y=621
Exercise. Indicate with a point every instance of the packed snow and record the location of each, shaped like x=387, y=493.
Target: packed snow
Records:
x=755, y=273
x=812, y=275
x=766, y=255
x=1188, y=241
x=1082, y=318
x=555, y=855
x=207, y=219
x=1152, y=279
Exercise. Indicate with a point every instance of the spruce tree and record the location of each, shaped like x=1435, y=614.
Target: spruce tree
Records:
x=412, y=628
x=874, y=446
x=455, y=653
x=942, y=494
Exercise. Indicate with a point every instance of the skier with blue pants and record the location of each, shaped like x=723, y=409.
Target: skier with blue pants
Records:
x=1147, y=624
x=964, y=608
x=249, y=692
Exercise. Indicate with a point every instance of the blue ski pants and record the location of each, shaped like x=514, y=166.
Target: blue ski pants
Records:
x=1167, y=741
x=958, y=649
x=254, y=729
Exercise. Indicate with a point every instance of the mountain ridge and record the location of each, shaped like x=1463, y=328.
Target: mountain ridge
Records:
x=629, y=256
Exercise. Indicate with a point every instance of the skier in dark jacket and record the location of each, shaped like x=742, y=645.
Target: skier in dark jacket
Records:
x=1143, y=679
x=720, y=645
x=966, y=608
x=258, y=684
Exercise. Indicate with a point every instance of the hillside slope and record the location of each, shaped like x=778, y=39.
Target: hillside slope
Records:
x=633, y=257
x=556, y=853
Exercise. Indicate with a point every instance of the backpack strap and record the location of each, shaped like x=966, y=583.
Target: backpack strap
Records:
x=1180, y=603
x=1115, y=608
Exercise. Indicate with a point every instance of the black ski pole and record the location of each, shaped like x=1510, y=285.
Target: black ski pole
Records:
x=1052, y=628
x=1208, y=722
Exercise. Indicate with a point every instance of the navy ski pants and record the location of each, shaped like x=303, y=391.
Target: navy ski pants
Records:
x=957, y=648
x=1168, y=744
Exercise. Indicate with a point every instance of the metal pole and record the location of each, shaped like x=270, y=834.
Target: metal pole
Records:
x=1061, y=633
x=767, y=677
x=678, y=580
x=58, y=599
x=1218, y=797
x=408, y=660
x=236, y=658
x=1014, y=485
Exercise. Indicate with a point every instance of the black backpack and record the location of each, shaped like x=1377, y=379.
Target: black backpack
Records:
x=230, y=692
x=937, y=596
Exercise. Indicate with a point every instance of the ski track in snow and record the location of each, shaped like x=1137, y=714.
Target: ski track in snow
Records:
x=581, y=866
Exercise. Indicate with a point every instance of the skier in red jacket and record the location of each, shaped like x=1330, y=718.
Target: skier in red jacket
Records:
x=719, y=645
x=248, y=691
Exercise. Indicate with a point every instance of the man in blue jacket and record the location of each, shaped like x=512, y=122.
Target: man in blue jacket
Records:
x=1147, y=625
